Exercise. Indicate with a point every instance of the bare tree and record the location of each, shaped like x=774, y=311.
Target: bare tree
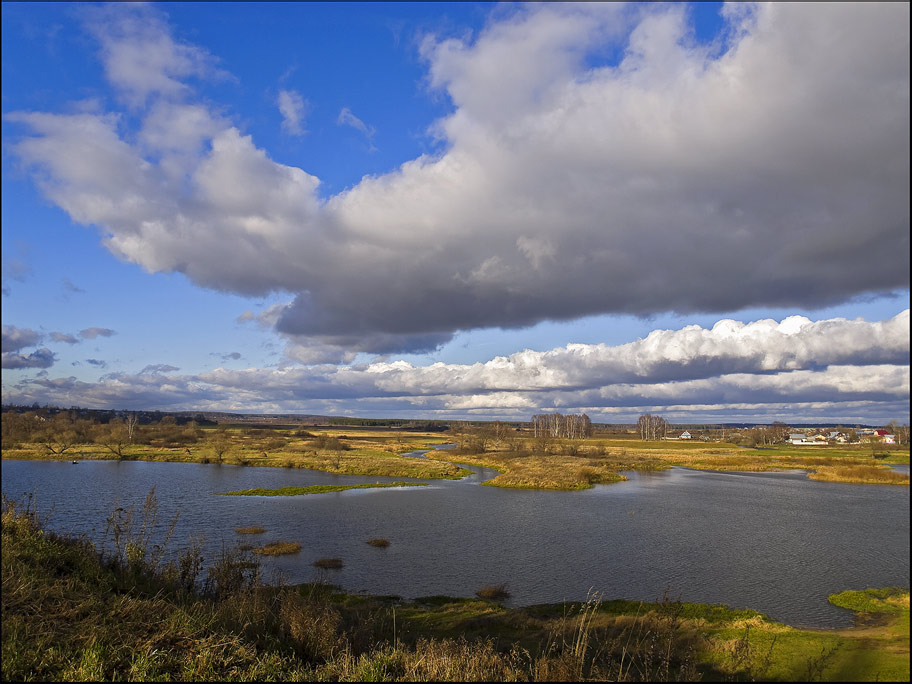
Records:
x=114, y=437
x=58, y=435
x=220, y=442
x=900, y=432
x=130, y=423
x=652, y=427
x=575, y=426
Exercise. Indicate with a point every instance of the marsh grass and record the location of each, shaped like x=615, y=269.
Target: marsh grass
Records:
x=278, y=548
x=521, y=463
x=250, y=530
x=493, y=592
x=860, y=474
x=329, y=563
x=379, y=542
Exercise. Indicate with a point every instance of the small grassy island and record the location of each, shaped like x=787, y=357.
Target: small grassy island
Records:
x=70, y=614
x=317, y=489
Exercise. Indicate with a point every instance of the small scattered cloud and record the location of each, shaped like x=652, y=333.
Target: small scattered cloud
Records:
x=159, y=368
x=69, y=286
x=346, y=118
x=92, y=333
x=97, y=363
x=16, y=269
x=141, y=57
x=14, y=339
x=42, y=358
x=230, y=356
x=64, y=337
x=294, y=110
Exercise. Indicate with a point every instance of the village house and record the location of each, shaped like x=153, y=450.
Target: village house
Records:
x=885, y=436
x=801, y=439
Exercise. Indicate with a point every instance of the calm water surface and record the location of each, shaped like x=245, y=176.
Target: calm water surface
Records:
x=775, y=542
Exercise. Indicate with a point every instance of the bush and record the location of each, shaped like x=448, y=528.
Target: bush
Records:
x=493, y=592
x=328, y=443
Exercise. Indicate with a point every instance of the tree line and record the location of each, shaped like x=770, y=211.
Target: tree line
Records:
x=573, y=426
x=60, y=432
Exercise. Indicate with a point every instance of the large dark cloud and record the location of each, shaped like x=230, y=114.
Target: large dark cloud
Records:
x=773, y=174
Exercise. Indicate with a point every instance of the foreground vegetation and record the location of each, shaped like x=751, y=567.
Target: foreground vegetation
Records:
x=70, y=614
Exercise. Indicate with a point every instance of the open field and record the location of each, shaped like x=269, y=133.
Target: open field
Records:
x=71, y=615
x=522, y=461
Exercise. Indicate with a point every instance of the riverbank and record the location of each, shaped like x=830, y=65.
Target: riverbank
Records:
x=70, y=615
x=523, y=462
x=579, y=464
x=317, y=489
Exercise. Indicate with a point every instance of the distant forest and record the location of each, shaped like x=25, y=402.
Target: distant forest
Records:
x=209, y=418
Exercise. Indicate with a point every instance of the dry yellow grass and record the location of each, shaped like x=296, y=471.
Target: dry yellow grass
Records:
x=278, y=549
x=568, y=465
x=860, y=474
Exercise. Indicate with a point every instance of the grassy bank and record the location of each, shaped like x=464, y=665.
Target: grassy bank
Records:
x=317, y=489
x=371, y=453
x=523, y=462
x=579, y=464
x=69, y=614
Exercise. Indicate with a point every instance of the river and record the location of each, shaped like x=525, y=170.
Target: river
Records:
x=775, y=542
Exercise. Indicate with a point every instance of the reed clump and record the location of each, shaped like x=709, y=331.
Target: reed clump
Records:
x=379, y=542
x=329, y=563
x=256, y=529
x=279, y=548
x=493, y=592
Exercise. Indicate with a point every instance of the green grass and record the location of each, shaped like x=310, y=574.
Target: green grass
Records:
x=317, y=489
x=869, y=600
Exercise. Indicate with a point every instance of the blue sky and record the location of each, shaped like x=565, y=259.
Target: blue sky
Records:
x=458, y=210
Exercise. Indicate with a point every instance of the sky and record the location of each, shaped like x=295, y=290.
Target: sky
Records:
x=459, y=211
